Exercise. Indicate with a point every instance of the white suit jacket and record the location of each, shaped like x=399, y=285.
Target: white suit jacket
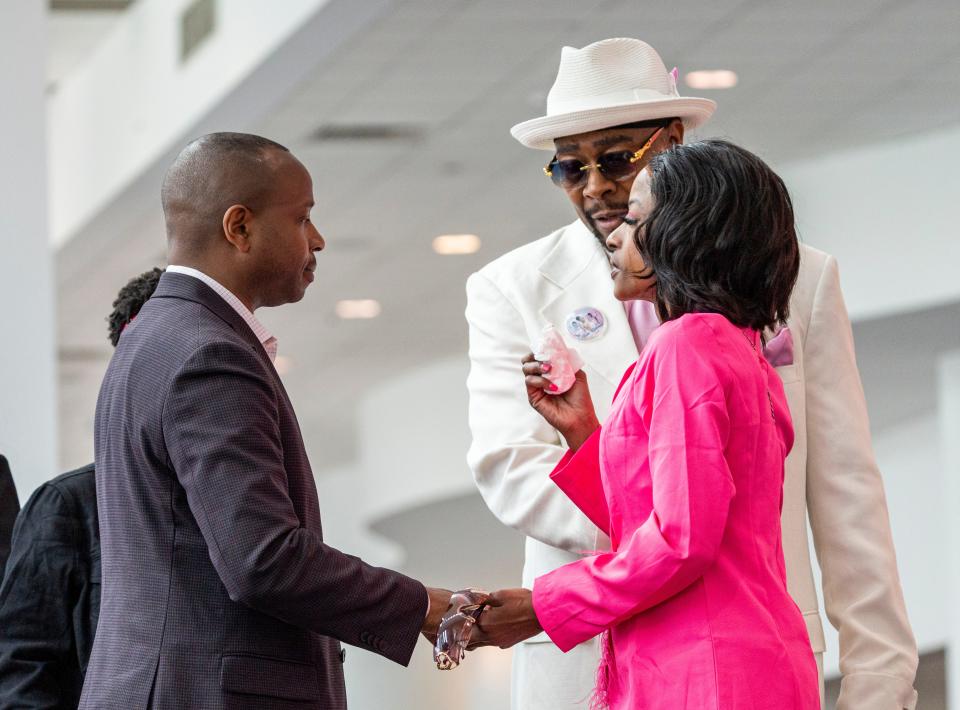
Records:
x=831, y=472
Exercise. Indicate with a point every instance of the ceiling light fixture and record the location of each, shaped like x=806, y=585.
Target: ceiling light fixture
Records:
x=372, y=132
x=449, y=244
x=711, y=79
x=282, y=364
x=358, y=308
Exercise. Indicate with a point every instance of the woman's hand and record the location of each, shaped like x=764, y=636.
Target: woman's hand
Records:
x=508, y=619
x=570, y=413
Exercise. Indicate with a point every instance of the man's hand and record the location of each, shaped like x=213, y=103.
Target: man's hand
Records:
x=570, y=413
x=439, y=603
x=508, y=619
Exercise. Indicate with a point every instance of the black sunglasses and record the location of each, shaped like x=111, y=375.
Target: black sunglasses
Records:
x=619, y=165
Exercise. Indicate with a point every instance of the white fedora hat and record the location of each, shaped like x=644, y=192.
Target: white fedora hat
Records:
x=606, y=84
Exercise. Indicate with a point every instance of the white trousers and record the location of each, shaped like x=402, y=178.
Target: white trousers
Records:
x=545, y=678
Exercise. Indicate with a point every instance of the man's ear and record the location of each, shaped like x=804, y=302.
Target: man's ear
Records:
x=236, y=227
x=675, y=132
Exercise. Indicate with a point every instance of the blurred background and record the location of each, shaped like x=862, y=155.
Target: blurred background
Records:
x=401, y=111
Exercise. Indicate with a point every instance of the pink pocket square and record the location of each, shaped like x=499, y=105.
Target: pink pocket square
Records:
x=779, y=351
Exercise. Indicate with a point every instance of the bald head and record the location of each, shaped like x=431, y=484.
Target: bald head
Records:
x=210, y=175
x=238, y=208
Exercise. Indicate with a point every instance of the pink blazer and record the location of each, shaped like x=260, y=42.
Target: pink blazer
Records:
x=686, y=478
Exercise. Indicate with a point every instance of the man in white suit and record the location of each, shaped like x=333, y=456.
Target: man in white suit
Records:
x=612, y=106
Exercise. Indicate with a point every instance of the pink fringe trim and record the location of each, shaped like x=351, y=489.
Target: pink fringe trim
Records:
x=601, y=693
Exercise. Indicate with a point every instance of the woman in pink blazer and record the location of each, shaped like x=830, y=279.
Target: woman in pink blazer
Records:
x=686, y=474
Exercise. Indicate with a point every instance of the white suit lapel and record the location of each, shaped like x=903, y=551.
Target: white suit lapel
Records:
x=578, y=266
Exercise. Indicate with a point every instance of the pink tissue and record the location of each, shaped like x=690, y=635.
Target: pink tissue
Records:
x=564, y=361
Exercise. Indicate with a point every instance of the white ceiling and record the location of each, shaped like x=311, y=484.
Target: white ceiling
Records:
x=814, y=77
x=74, y=34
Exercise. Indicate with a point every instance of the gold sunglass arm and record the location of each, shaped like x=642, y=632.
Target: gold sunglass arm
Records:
x=646, y=146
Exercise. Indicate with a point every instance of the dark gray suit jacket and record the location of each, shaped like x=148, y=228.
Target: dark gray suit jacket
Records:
x=218, y=591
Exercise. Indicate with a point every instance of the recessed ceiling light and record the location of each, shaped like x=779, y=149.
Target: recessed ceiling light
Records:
x=367, y=132
x=448, y=244
x=711, y=79
x=358, y=308
x=283, y=364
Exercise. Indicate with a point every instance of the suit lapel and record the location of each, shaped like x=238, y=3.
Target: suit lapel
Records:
x=174, y=285
x=578, y=267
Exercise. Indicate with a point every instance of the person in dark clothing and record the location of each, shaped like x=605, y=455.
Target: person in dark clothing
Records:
x=129, y=302
x=50, y=595
x=9, y=507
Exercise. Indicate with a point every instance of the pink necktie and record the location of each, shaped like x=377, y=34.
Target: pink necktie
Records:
x=642, y=316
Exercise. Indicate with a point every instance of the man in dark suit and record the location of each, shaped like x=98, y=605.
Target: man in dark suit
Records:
x=218, y=590
x=9, y=507
x=50, y=598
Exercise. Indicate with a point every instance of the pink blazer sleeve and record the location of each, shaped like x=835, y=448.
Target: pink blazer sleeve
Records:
x=686, y=416
x=578, y=475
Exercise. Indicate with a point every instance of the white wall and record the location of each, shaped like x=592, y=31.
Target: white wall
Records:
x=414, y=437
x=28, y=435
x=121, y=113
x=944, y=571
x=888, y=213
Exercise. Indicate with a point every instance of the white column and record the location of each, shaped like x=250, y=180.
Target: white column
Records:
x=28, y=436
x=949, y=414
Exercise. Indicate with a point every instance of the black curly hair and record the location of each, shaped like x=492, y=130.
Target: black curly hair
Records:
x=130, y=300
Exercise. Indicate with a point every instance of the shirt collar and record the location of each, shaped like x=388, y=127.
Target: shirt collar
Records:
x=268, y=341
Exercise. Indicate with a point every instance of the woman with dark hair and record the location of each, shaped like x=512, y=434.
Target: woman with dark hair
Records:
x=686, y=474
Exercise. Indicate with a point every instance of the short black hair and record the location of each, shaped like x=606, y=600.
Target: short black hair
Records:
x=209, y=175
x=720, y=237
x=130, y=300
x=230, y=154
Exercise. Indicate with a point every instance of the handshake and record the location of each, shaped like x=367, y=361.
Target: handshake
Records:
x=468, y=619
